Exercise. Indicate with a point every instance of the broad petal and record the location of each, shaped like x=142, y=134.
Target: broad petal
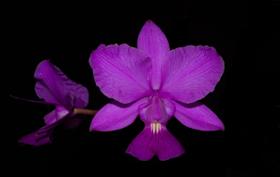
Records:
x=113, y=117
x=198, y=116
x=34, y=140
x=39, y=137
x=192, y=72
x=121, y=72
x=44, y=135
x=148, y=144
x=54, y=87
x=153, y=42
x=50, y=118
x=43, y=92
x=56, y=115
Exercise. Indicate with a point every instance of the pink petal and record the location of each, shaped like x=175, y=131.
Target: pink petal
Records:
x=50, y=118
x=121, y=72
x=192, y=72
x=57, y=114
x=38, y=138
x=199, y=117
x=43, y=92
x=153, y=42
x=54, y=87
x=147, y=144
x=44, y=134
x=34, y=140
x=113, y=117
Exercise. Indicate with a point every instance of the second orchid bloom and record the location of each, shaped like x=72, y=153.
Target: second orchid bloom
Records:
x=56, y=89
x=155, y=83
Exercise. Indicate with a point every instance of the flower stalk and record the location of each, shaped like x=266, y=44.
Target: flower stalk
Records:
x=83, y=111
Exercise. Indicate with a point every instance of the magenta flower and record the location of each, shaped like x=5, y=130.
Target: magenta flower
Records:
x=56, y=89
x=156, y=83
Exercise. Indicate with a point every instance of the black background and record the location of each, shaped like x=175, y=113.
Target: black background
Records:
x=246, y=99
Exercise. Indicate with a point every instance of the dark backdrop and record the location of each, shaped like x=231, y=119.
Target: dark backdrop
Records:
x=246, y=99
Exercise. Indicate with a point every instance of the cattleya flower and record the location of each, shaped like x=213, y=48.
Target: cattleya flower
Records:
x=67, y=97
x=156, y=83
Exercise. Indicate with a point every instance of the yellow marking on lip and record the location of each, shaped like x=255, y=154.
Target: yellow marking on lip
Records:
x=155, y=127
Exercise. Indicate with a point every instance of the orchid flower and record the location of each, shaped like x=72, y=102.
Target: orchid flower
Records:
x=67, y=96
x=156, y=83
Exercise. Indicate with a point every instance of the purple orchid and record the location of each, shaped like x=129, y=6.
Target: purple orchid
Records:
x=156, y=83
x=66, y=95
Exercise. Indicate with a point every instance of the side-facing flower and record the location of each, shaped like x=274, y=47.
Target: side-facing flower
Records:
x=156, y=83
x=55, y=88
